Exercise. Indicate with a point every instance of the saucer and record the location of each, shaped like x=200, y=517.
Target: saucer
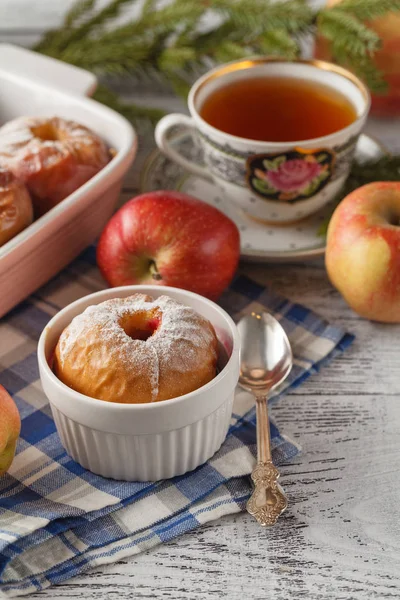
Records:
x=299, y=241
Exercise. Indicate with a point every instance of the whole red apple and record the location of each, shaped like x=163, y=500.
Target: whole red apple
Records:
x=363, y=251
x=169, y=238
x=10, y=427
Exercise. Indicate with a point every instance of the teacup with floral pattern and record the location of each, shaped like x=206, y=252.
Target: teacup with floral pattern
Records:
x=276, y=182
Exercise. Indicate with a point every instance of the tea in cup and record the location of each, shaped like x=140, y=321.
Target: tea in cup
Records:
x=278, y=137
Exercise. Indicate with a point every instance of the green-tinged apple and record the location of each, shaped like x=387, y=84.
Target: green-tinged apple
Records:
x=169, y=238
x=363, y=251
x=10, y=427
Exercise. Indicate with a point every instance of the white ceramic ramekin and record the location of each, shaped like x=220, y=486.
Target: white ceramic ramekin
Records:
x=143, y=442
x=37, y=85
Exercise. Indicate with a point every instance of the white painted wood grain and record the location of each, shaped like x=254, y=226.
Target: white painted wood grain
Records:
x=340, y=538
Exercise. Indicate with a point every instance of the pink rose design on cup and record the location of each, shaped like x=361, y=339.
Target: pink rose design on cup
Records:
x=291, y=176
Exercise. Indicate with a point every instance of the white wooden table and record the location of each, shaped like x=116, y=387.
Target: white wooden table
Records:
x=340, y=538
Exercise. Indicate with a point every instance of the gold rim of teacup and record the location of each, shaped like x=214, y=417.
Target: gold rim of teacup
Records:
x=248, y=63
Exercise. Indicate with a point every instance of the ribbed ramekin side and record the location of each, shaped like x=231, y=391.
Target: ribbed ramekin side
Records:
x=145, y=457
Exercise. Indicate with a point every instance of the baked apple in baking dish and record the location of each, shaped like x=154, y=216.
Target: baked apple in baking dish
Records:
x=16, y=210
x=52, y=156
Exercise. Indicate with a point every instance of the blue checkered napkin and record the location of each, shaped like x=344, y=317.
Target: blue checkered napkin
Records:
x=56, y=519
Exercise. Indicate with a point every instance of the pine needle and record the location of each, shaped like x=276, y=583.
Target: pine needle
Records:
x=347, y=34
x=280, y=43
x=292, y=16
x=366, y=10
x=366, y=69
x=229, y=50
x=175, y=58
x=59, y=40
x=107, y=59
x=386, y=168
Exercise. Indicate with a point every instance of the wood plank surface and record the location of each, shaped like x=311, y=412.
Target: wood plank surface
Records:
x=340, y=538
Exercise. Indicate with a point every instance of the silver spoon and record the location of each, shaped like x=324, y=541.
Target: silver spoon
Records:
x=266, y=360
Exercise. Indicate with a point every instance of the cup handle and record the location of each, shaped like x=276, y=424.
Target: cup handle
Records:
x=161, y=135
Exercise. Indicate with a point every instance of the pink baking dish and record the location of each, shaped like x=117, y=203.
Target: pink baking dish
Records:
x=31, y=84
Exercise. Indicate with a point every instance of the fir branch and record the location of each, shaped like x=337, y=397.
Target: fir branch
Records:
x=175, y=58
x=176, y=13
x=134, y=113
x=48, y=42
x=180, y=86
x=78, y=10
x=106, y=59
x=169, y=41
x=353, y=44
x=110, y=11
x=59, y=40
x=208, y=41
x=347, y=34
x=292, y=16
x=366, y=10
x=386, y=168
x=228, y=50
x=54, y=38
x=164, y=21
x=366, y=70
x=148, y=6
x=180, y=18
x=280, y=43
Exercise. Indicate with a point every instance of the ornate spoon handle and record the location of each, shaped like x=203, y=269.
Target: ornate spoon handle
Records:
x=268, y=501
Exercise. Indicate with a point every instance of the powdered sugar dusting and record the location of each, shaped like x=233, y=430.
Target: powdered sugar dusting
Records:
x=174, y=343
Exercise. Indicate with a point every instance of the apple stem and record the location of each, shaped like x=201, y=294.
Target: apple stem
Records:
x=154, y=271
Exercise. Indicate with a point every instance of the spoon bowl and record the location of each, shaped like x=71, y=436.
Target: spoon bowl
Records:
x=266, y=355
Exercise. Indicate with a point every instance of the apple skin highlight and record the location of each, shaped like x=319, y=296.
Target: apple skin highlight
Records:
x=169, y=238
x=363, y=251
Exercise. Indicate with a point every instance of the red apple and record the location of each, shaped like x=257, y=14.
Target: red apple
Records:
x=363, y=251
x=10, y=427
x=169, y=238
